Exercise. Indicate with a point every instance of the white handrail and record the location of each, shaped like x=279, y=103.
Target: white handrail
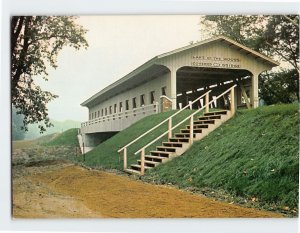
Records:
x=162, y=122
x=139, y=110
x=192, y=115
x=164, y=96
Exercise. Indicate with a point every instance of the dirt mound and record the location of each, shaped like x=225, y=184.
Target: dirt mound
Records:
x=72, y=191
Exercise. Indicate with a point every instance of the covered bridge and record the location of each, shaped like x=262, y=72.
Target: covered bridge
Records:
x=171, y=80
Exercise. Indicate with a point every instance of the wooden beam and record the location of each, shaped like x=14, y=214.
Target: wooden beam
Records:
x=245, y=95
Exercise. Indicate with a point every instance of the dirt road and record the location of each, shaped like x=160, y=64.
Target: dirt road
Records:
x=65, y=190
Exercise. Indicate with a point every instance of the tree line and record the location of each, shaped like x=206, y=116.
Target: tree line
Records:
x=276, y=36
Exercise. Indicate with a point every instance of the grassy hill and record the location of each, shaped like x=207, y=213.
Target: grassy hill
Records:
x=106, y=156
x=255, y=154
x=66, y=138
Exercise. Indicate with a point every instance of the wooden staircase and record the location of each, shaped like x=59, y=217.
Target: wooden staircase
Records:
x=181, y=142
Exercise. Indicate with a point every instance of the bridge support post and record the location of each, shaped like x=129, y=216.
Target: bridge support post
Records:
x=254, y=91
x=206, y=101
x=232, y=101
x=174, y=89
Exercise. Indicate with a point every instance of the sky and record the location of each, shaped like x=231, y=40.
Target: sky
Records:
x=117, y=45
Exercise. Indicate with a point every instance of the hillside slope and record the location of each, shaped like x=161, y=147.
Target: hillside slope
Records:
x=58, y=127
x=66, y=138
x=106, y=156
x=255, y=154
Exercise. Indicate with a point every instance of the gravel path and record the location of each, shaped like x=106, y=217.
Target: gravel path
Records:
x=60, y=189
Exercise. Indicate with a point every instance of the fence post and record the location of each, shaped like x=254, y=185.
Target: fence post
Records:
x=125, y=158
x=192, y=129
x=143, y=161
x=170, y=128
x=206, y=102
x=232, y=103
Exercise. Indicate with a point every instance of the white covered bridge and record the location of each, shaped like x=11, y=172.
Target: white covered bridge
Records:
x=171, y=81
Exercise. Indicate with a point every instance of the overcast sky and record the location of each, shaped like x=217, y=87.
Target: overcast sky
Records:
x=117, y=45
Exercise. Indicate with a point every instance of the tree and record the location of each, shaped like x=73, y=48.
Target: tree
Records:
x=276, y=36
x=279, y=87
x=35, y=44
x=17, y=121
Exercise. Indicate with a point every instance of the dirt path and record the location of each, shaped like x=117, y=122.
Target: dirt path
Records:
x=66, y=190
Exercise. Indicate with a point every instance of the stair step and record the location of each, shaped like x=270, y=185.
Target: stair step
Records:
x=138, y=167
x=147, y=163
x=184, y=135
x=161, y=153
x=203, y=122
x=174, y=144
x=200, y=126
x=132, y=171
x=183, y=140
x=210, y=117
x=154, y=158
x=222, y=112
x=188, y=130
x=166, y=148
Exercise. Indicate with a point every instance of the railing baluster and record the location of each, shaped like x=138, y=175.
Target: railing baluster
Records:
x=125, y=158
x=143, y=161
x=206, y=102
x=192, y=129
x=170, y=128
x=232, y=103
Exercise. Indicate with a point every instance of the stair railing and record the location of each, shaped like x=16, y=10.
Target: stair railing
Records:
x=191, y=123
x=169, y=119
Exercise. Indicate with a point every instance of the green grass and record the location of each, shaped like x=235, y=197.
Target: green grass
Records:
x=66, y=138
x=255, y=154
x=106, y=156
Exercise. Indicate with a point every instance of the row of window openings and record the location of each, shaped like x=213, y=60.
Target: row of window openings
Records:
x=134, y=105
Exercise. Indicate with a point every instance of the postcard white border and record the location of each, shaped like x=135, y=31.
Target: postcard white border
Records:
x=97, y=7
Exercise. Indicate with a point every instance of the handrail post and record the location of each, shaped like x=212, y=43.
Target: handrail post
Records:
x=143, y=161
x=170, y=128
x=232, y=100
x=206, y=103
x=125, y=158
x=192, y=129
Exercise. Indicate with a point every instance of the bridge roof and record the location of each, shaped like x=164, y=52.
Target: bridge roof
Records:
x=153, y=65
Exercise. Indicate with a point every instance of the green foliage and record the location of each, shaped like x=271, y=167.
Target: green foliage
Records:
x=66, y=138
x=35, y=43
x=255, y=154
x=281, y=87
x=276, y=36
x=245, y=29
x=17, y=132
x=282, y=38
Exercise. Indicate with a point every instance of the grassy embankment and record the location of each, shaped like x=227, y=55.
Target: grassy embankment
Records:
x=66, y=138
x=106, y=156
x=255, y=154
